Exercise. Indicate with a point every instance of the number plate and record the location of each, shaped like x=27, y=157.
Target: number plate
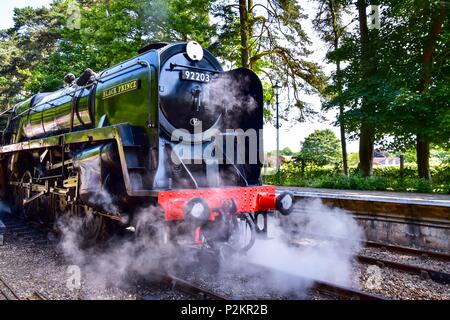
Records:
x=195, y=76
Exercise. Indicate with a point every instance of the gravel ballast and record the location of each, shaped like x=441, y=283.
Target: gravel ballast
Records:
x=32, y=262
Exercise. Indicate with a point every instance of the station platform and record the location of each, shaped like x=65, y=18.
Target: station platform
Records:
x=375, y=196
x=407, y=219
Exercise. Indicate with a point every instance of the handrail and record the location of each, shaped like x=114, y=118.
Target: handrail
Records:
x=98, y=79
x=145, y=63
x=7, y=110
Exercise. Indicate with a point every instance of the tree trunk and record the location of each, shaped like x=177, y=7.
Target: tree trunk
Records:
x=422, y=143
x=368, y=63
x=423, y=157
x=366, y=139
x=244, y=31
x=343, y=141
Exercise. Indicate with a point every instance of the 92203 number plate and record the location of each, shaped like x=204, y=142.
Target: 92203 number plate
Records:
x=195, y=76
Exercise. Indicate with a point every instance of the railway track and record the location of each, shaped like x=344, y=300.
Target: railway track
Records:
x=181, y=285
x=426, y=273
x=408, y=250
x=339, y=291
x=389, y=247
x=327, y=288
x=37, y=296
x=6, y=292
x=26, y=231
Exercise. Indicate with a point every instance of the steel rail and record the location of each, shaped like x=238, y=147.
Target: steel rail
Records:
x=394, y=248
x=408, y=250
x=345, y=292
x=188, y=287
x=37, y=296
x=7, y=292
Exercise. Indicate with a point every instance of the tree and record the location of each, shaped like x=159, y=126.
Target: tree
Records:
x=319, y=148
x=396, y=81
x=268, y=38
x=23, y=47
x=328, y=22
x=368, y=63
x=41, y=47
x=359, y=83
x=438, y=16
x=416, y=68
x=286, y=152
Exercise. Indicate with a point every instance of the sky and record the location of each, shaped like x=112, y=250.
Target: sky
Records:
x=7, y=7
x=291, y=133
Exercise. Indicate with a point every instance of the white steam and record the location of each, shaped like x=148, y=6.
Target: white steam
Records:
x=229, y=94
x=299, y=245
x=313, y=257
x=120, y=258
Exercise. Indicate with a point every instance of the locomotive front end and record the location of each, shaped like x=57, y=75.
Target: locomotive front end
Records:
x=218, y=215
x=211, y=149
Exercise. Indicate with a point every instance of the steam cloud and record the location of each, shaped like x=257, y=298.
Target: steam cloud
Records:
x=316, y=258
x=228, y=94
x=312, y=225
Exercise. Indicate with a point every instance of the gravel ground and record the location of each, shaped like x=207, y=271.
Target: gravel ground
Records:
x=247, y=285
x=34, y=264
x=394, y=284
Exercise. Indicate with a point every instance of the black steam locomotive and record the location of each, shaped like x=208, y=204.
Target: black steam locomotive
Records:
x=168, y=128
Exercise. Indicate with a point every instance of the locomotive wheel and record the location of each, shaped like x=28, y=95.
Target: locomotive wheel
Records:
x=244, y=235
x=88, y=227
x=59, y=211
x=21, y=194
x=92, y=227
x=35, y=210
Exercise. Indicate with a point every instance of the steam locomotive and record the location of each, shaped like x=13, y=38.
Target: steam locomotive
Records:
x=168, y=129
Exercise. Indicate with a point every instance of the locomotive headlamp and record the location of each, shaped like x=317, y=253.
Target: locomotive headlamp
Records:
x=197, y=211
x=285, y=203
x=194, y=51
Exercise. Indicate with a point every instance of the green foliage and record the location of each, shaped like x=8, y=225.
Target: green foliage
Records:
x=42, y=47
x=403, y=104
x=353, y=159
x=278, y=47
x=286, y=152
x=320, y=148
